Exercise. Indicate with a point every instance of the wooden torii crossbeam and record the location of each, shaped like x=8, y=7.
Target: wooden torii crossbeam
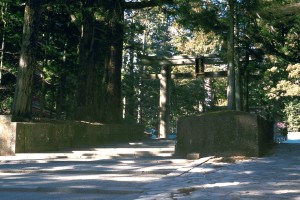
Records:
x=198, y=62
x=179, y=60
x=165, y=79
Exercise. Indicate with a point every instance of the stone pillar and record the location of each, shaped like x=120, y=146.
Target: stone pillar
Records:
x=164, y=102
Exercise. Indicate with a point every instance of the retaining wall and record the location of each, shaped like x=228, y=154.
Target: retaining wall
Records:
x=224, y=133
x=26, y=137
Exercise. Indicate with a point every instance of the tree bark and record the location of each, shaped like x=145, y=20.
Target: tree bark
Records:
x=112, y=87
x=246, y=80
x=231, y=67
x=131, y=97
x=238, y=75
x=22, y=103
x=280, y=12
x=91, y=62
x=3, y=12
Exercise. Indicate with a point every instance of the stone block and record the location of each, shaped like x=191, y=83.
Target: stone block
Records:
x=7, y=136
x=223, y=133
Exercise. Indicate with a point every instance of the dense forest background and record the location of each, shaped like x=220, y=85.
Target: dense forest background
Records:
x=83, y=58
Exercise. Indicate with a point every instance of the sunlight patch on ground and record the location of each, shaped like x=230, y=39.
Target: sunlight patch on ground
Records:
x=203, y=170
x=248, y=172
x=106, y=177
x=226, y=184
x=60, y=168
x=287, y=191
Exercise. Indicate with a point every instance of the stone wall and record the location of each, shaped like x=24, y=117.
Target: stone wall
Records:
x=224, y=133
x=26, y=137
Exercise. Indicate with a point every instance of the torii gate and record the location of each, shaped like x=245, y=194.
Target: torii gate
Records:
x=165, y=79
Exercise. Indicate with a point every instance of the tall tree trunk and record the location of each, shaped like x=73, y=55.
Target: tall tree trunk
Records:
x=60, y=98
x=61, y=91
x=43, y=94
x=91, y=61
x=246, y=80
x=112, y=89
x=238, y=75
x=141, y=83
x=238, y=89
x=100, y=62
x=52, y=103
x=131, y=97
x=3, y=13
x=231, y=67
x=23, y=94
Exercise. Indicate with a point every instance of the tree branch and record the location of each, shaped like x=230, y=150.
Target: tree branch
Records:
x=277, y=12
x=146, y=4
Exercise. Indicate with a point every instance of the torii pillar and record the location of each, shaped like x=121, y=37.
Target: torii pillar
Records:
x=164, y=101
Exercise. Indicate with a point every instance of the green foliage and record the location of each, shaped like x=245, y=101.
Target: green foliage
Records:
x=219, y=87
x=289, y=86
x=205, y=15
x=150, y=103
x=10, y=38
x=187, y=97
x=278, y=36
x=285, y=92
x=196, y=42
x=11, y=30
x=292, y=110
x=6, y=104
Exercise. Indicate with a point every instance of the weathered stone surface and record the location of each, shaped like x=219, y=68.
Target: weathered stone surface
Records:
x=28, y=137
x=224, y=133
x=7, y=136
x=193, y=156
